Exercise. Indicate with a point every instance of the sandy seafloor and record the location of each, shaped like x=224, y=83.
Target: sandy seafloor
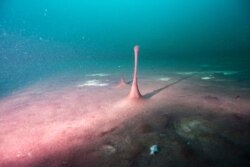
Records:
x=83, y=120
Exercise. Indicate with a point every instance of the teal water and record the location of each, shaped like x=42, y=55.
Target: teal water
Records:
x=43, y=38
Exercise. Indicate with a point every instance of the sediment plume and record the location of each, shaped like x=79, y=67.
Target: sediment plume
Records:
x=134, y=92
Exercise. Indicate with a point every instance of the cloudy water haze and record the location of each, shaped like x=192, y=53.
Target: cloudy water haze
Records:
x=124, y=83
x=39, y=38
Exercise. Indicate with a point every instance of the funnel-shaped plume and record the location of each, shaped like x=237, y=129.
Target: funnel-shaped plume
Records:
x=134, y=92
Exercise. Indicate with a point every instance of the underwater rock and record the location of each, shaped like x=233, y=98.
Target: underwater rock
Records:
x=108, y=149
x=194, y=128
x=153, y=149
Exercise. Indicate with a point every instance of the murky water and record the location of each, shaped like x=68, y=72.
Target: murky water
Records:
x=61, y=61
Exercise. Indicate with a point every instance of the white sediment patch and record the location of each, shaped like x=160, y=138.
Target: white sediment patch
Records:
x=186, y=73
x=207, y=78
x=97, y=75
x=164, y=79
x=92, y=83
x=208, y=72
x=227, y=72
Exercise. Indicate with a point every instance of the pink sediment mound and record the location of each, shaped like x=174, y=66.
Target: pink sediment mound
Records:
x=122, y=83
